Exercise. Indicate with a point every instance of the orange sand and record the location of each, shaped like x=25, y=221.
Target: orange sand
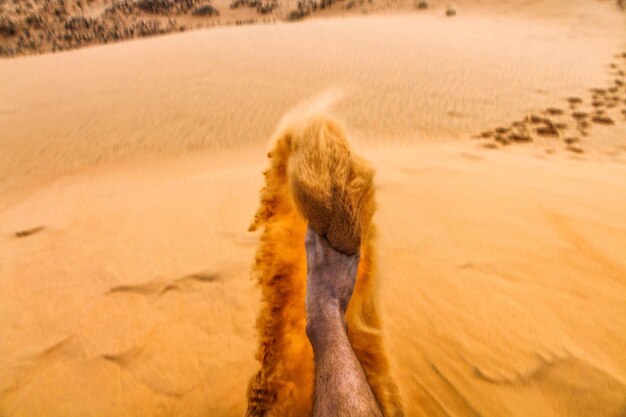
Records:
x=502, y=272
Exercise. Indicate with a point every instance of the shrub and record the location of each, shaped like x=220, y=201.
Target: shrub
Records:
x=206, y=10
x=298, y=14
x=34, y=21
x=261, y=6
x=155, y=6
x=78, y=22
x=266, y=6
x=165, y=6
x=7, y=27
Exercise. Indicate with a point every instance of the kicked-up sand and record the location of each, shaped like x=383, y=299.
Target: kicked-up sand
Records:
x=129, y=175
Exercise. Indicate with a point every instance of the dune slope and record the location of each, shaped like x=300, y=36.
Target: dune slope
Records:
x=409, y=78
x=129, y=175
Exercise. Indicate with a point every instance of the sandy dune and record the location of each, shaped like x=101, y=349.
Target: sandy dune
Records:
x=406, y=78
x=130, y=174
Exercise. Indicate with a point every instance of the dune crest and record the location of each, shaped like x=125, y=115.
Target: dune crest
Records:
x=339, y=206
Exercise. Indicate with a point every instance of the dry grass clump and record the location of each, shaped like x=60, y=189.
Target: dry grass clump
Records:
x=298, y=14
x=306, y=7
x=7, y=27
x=261, y=6
x=167, y=6
x=206, y=10
x=79, y=23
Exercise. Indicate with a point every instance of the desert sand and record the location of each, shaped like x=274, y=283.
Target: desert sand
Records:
x=129, y=175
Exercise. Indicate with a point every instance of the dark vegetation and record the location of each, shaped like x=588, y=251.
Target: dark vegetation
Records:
x=306, y=7
x=34, y=26
x=206, y=10
x=261, y=6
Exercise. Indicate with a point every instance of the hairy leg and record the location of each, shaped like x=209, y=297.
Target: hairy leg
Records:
x=341, y=387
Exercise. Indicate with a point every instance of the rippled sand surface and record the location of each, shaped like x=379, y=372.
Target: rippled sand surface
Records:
x=129, y=174
x=405, y=78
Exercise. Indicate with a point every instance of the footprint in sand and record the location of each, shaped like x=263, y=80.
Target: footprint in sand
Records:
x=602, y=120
x=575, y=149
x=501, y=140
x=28, y=232
x=575, y=100
x=548, y=131
x=548, y=122
x=520, y=137
x=583, y=125
x=157, y=288
x=553, y=111
x=534, y=119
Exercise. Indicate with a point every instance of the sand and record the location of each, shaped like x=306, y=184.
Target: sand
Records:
x=131, y=173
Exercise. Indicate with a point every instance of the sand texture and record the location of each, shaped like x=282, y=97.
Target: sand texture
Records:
x=130, y=174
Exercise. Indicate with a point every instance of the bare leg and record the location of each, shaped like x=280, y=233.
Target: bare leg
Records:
x=341, y=388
